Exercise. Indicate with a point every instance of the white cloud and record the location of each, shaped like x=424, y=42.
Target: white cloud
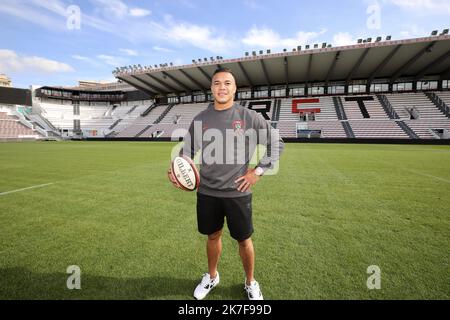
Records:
x=102, y=59
x=202, y=37
x=187, y=3
x=252, y=4
x=343, y=39
x=262, y=38
x=139, y=12
x=423, y=6
x=86, y=59
x=413, y=31
x=81, y=58
x=30, y=14
x=161, y=49
x=129, y=52
x=10, y=62
x=55, y=6
x=305, y=37
x=178, y=62
x=268, y=38
x=112, y=60
x=52, y=15
x=115, y=8
x=119, y=9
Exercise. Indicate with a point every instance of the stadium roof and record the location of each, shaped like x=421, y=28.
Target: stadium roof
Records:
x=391, y=60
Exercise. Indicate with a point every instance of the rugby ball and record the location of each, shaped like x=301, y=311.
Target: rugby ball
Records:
x=185, y=173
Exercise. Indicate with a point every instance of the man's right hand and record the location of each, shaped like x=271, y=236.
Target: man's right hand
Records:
x=172, y=178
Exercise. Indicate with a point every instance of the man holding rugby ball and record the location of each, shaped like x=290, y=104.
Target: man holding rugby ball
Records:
x=225, y=176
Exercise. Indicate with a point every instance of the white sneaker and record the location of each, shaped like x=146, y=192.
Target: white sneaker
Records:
x=253, y=290
x=205, y=286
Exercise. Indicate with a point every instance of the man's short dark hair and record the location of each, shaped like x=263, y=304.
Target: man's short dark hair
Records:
x=222, y=69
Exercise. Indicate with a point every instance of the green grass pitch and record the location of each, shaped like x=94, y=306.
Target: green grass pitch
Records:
x=332, y=211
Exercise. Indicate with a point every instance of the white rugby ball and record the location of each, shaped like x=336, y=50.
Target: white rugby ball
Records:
x=186, y=173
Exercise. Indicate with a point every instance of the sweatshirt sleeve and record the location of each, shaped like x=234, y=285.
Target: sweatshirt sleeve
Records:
x=191, y=142
x=269, y=137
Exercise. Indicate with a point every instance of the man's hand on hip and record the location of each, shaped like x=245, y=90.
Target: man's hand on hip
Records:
x=247, y=181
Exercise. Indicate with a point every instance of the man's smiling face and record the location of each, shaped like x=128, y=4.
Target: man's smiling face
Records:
x=223, y=87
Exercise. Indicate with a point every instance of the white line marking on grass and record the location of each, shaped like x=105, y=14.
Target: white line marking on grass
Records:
x=23, y=189
x=417, y=172
x=427, y=175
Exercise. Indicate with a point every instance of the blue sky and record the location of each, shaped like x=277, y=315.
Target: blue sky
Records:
x=43, y=42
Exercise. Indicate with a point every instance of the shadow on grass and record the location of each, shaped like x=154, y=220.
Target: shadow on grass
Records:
x=22, y=284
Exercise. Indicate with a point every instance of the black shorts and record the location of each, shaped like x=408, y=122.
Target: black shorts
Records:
x=211, y=212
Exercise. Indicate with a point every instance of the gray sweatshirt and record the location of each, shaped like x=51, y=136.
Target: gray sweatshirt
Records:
x=228, y=140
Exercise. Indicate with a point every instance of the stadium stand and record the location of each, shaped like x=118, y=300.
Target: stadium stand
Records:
x=286, y=114
x=377, y=129
x=444, y=96
x=383, y=116
x=163, y=120
x=327, y=110
x=139, y=123
x=287, y=129
x=166, y=131
x=266, y=107
x=441, y=100
x=59, y=115
x=387, y=107
x=351, y=109
x=329, y=129
x=414, y=106
x=14, y=125
x=392, y=101
x=339, y=108
x=364, y=107
x=125, y=117
x=178, y=117
x=429, y=128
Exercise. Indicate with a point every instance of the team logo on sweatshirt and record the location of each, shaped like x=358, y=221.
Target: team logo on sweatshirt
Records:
x=238, y=126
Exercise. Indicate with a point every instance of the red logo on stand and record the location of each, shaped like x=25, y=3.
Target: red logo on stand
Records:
x=297, y=109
